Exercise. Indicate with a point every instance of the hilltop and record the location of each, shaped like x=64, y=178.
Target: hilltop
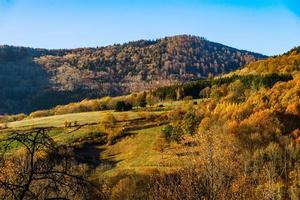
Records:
x=33, y=79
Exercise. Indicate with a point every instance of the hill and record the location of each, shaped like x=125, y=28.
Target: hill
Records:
x=231, y=137
x=286, y=63
x=33, y=79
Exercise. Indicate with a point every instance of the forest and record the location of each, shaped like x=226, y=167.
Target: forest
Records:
x=34, y=79
x=233, y=136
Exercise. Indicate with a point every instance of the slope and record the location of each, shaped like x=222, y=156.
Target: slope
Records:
x=33, y=79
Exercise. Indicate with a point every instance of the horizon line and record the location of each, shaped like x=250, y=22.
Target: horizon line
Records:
x=136, y=40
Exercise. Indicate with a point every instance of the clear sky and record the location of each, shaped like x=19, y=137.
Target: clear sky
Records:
x=265, y=26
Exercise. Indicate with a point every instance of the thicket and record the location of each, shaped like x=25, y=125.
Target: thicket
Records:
x=123, y=106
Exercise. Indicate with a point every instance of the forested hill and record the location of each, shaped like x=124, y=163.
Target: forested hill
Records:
x=287, y=63
x=33, y=79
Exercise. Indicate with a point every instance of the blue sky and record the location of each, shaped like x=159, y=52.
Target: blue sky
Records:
x=265, y=26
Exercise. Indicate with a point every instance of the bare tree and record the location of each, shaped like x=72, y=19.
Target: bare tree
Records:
x=39, y=169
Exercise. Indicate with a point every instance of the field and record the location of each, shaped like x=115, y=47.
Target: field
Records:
x=139, y=151
x=81, y=118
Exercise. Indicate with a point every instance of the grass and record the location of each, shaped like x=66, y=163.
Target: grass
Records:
x=81, y=118
x=89, y=117
x=67, y=136
x=138, y=154
x=63, y=135
x=135, y=153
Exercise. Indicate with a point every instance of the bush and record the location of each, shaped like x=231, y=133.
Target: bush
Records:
x=67, y=124
x=12, y=118
x=123, y=106
x=40, y=113
x=141, y=100
x=190, y=122
x=108, y=121
x=143, y=103
x=172, y=133
x=176, y=114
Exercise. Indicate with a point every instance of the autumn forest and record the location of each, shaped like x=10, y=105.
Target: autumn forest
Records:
x=174, y=118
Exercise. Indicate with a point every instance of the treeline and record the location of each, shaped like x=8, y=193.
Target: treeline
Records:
x=293, y=50
x=200, y=89
x=12, y=53
x=195, y=89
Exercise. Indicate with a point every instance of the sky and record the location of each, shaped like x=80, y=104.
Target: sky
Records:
x=270, y=27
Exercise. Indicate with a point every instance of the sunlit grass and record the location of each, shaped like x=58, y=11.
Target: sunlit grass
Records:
x=136, y=153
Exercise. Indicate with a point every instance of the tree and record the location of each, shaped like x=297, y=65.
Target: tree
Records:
x=123, y=106
x=205, y=93
x=108, y=121
x=172, y=133
x=179, y=93
x=236, y=92
x=217, y=166
x=142, y=101
x=150, y=99
x=190, y=122
x=39, y=169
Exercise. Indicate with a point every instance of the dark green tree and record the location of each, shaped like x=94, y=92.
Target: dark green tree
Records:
x=123, y=106
x=190, y=122
x=172, y=133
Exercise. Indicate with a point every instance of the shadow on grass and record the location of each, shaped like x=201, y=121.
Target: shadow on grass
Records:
x=90, y=154
x=120, y=136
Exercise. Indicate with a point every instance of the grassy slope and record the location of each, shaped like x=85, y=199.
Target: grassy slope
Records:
x=135, y=153
x=86, y=117
x=81, y=118
x=139, y=154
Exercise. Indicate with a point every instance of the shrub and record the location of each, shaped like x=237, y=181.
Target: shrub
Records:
x=76, y=123
x=142, y=100
x=176, y=114
x=123, y=106
x=67, y=124
x=12, y=118
x=143, y=103
x=172, y=133
x=40, y=113
x=108, y=121
x=259, y=129
x=190, y=122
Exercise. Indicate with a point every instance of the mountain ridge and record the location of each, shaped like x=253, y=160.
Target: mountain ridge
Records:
x=35, y=79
